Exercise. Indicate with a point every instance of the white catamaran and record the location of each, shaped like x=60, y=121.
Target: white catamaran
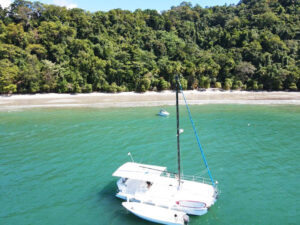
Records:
x=154, y=194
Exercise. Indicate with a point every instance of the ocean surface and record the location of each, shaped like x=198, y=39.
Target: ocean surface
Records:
x=56, y=164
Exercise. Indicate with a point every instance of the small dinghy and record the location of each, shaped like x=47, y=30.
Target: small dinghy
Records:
x=157, y=214
x=163, y=112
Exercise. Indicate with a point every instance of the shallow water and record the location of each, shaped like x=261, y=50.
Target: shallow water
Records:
x=56, y=164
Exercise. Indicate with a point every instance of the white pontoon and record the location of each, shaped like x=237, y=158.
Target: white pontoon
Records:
x=156, y=214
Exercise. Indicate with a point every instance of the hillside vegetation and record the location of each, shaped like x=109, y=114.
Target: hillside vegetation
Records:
x=254, y=45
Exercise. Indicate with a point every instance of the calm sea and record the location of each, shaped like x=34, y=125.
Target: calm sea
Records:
x=56, y=164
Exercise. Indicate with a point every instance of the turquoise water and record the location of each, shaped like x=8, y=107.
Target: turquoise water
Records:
x=56, y=164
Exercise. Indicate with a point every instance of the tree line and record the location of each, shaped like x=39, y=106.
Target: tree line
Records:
x=254, y=45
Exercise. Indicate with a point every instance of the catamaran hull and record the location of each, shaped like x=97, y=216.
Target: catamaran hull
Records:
x=155, y=221
x=155, y=214
x=191, y=210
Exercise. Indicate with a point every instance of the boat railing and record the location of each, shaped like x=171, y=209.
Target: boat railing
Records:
x=187, y=177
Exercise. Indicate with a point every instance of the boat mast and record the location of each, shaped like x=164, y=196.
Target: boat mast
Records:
x=178, y=139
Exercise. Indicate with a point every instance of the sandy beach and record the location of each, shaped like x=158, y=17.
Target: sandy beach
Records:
x=131, y=99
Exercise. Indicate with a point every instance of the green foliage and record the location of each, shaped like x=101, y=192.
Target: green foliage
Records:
x=237, y=85
x=37, y=49
x=8, y=75
x=87, y=88
x=162, y=84
x=143, y=84
x=204, y=82
x=227, y=84
x=113, y=88
x=293, y=87
x=253, y=45
x=183, y=83
x=252, y=85
x=244, y=71
x=255, y=85
x=218, y=85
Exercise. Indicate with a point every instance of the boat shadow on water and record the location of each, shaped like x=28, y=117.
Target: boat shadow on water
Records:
x=107, y=193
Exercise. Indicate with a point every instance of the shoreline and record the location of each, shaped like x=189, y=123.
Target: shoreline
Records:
x=132, y=99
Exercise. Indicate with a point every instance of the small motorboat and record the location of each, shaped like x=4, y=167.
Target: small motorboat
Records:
x=163, y=112
x=157, y=214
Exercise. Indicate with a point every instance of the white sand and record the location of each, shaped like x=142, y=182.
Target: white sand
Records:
x=131, y=99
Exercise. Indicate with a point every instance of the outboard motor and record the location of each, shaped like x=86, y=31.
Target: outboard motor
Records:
x=186, y=219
